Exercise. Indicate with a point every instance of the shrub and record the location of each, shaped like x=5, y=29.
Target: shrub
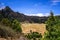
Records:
x=34, y=35
x=16, y=26
x=6, y=22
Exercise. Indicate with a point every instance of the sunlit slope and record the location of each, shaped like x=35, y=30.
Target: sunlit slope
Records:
x=26, y=27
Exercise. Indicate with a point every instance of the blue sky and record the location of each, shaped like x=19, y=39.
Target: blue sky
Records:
x=33, y=7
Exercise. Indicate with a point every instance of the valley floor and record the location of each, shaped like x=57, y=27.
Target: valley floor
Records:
x=35, y=27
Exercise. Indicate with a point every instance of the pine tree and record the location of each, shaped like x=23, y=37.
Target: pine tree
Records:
x=52, y=26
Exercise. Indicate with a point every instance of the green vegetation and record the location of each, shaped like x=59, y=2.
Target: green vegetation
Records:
x=15, y=25
x=34, y=36
x=53, y=28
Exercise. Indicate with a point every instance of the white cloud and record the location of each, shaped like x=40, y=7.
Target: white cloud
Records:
x=55, y=2
x=38, y=14
x=2, y=6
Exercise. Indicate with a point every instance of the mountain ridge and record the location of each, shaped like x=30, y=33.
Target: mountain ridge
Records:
x=8, y=12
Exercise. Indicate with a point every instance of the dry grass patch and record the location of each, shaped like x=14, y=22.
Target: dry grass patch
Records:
x=35, y=27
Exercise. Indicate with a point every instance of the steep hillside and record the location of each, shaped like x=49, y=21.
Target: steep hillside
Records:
x=9, y=13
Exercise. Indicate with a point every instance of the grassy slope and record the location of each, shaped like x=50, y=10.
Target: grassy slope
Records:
x=26, y=27
x=8, y=31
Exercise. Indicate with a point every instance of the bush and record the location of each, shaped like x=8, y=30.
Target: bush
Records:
x=16, y=26
x=6, y=22
x=34, y=35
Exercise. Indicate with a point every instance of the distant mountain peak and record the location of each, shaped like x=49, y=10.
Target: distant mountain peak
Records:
x=7, y=8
